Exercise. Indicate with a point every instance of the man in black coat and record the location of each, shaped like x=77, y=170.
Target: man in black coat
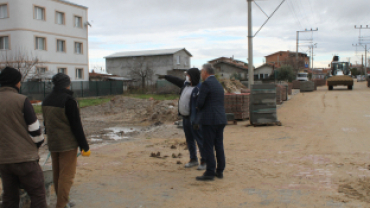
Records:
x=212, y=118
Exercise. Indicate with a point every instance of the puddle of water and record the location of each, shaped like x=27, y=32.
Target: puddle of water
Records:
x=115, y=133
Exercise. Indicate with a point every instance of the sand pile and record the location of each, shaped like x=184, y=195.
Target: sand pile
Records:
x=232, y=85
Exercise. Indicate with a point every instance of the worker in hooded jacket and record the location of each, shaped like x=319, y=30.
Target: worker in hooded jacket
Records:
x=187, y=109
x=65, y=135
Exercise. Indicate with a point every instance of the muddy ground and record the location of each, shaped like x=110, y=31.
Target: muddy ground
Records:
x=320, y=157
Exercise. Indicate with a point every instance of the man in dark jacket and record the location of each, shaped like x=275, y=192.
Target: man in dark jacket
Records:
x=20, y=139
x=65, y=134
x=187, y=109
x=212, y=118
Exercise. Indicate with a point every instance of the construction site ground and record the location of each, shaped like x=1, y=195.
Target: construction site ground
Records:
x=319, y=157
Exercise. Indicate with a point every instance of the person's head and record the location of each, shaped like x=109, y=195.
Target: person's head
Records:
x=61, y=81
x=10, y=77
x=207, y=71
x=193, y=76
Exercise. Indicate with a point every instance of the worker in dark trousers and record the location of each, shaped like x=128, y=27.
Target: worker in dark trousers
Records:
x=187, y=109
x=212, y=118
x=65, y=134
x=20, y=139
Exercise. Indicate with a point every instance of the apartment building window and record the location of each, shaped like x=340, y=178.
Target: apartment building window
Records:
x=178, y=59
x=79, y=73
x=41, y=70
x=61, y=46
x=78, y=21
x=40, y=43
x=78, y=48
x=4, y=43
x=60, y=18
x=62, y=70
x=39, y=13
x=3, y=11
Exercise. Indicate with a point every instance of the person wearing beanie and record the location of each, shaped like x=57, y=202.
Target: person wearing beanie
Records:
x=187, y=109
x=65, y=135
x=20, y=139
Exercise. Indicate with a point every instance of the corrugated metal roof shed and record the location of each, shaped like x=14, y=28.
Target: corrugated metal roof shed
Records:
x=147, y=53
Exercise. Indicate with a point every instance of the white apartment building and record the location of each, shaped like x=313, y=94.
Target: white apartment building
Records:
x=54, y=31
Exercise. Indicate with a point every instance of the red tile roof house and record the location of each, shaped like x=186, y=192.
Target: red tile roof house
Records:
x=229, y=67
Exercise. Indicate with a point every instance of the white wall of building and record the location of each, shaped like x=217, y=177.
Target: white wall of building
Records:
x=22, y=29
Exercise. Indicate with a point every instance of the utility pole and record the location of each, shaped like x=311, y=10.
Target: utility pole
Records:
x=251, y=36
x=363, y=41
x=312, y=47
x=297, y=47
x=250, y=46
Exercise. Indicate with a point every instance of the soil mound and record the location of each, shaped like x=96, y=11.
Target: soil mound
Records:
x=359, y=189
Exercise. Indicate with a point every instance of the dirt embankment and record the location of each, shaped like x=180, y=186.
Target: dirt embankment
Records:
x=124, y=111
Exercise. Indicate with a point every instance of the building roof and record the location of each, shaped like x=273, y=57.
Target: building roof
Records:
x=147, y=53
x=232, y=64
x=290, y=52
x=266, y=64
x=68, y=2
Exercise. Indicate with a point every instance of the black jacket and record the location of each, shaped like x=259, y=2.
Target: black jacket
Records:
x=210, y=104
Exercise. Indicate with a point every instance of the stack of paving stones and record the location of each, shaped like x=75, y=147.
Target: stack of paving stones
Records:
x=279, y=97
x=290, y=88
x=296, y=84
x=319, y=82
x=307, y=86
x=237, y=104
x=284, y=92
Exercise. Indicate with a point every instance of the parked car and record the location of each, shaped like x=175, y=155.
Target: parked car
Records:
x=302, y=76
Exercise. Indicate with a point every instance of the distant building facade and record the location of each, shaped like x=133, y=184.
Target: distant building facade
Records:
x=281, y=58
x=167, y=61
x=230, y=68
x=263, y=72
x=54, y=32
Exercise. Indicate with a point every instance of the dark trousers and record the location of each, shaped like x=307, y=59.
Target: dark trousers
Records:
x=214, y=140
x=193, y=135
x=30, y=176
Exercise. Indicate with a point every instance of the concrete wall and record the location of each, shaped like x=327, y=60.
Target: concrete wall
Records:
x=225, y=71
x=22, y=28
x=185, y=61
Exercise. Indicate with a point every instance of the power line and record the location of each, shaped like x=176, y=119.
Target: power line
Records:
x=290, y=4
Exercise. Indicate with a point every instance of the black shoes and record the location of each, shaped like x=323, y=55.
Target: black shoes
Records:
x=205, y=178
x=219, y=175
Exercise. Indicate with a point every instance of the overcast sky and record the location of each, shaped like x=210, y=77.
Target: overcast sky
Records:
x=215, y=28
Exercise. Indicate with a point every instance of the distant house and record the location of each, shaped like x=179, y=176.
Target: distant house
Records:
x=167, y=61
x=282, y=58
x=229, y=67
x=263, y=72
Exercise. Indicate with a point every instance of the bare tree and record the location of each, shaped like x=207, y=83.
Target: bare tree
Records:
x=140, y=68
x=26, y=63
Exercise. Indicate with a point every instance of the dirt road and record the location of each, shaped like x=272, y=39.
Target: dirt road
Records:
x=318, y=158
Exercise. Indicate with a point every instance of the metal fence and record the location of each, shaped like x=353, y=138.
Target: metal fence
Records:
x=39, y=90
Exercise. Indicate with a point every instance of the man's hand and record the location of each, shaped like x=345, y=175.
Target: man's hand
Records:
x=196, y=127
x=85, y=154
x=160, y=76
